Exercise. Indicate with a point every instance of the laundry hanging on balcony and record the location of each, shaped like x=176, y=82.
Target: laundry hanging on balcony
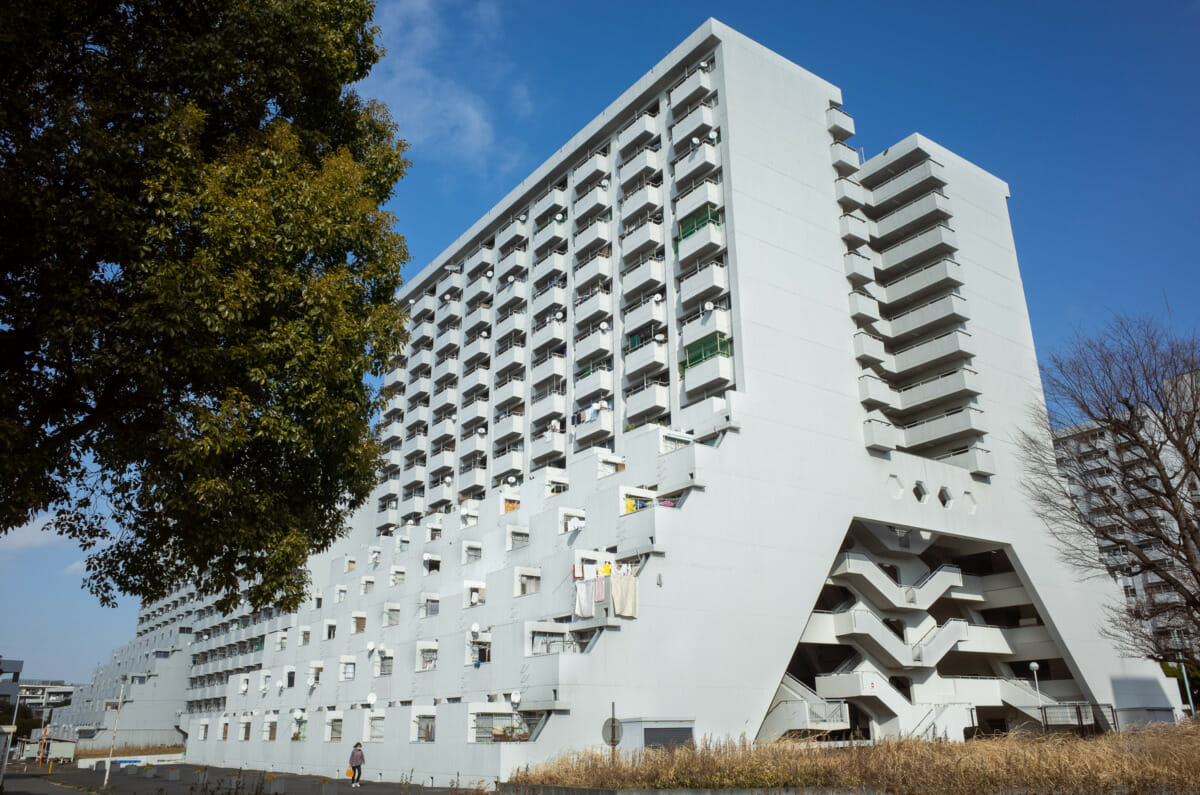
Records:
x=624, y=595
x=601, y=589
x=585, y=599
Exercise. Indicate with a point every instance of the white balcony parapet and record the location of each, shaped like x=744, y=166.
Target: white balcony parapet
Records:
x=704, y=323
x=705, y=241
x=707, y=191
x=694, y=86
x=880, y=436
x=715, y=372
x=649, y=400
x=708, y=280
x=962, y=382
x=839, y=123
x=953, y=424
x=648, y=273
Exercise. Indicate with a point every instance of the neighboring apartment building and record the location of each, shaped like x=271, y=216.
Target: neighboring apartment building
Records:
x=10, y=683
x=42, y=695
x=707, y=423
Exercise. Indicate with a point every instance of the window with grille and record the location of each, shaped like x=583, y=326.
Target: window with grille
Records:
x=432, y=606
x=428, y=659
x=360, y=624
x=385, y=665
x=530, y=583
x=340, y=594
x=330, y=631
x=347, y=671
x=397, y=576
x=368, y=586
x=425, y=728
x=392, y=616
x=474, y=553
x=375, y=729
x=335, y=730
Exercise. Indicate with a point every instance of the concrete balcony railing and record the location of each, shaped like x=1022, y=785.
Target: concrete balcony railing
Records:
x=593, y=308
x=423, y=306
x=693, y=197
x=550, y=404
x=713, y=373
x=646, y=236
x=413, y=476
x=511, y=264
x=553, y=297
x=551, y=265
x=864, y=685
x=932, y=208
x=962, y=382
x=904, y=187
x=936, y=241
x=647, y=312
x=643, y=164
x=694, y=86
x=509, y=428
x=845, y=158
x=509, y=358
x=471, y=480
x=595, y=235
x=439, y=463
x=707, y=281
x=650, y=401
x=698, y=121
x=509, y=463
x=479, y=316
x=553, y=332
x=444, y=369
x=704, y=242
x=700, y=160
x=595, y=166
x=549, y=445
x=598, y=343
x=929, y=280
x=874, y=392
x=596, y=199
x=924, y=318
x=699, y=326
x=863, y=308
x=481, y=289
x=419, y=332
x=593, y=385
x=641, y=129
x=414, y=504
x=943, y=428
x=868, y=349
x=593, y=269
x=839, y=123
x=850, y=194
x=417, y=389
x=648, y=198
x=647, y=275
x=552, y=202
x=595, y=428
x=473, y=444
x=551, y=367
x=443, y=430
x=441, y=492
x=948, y=347
x=481, y=257
x=858, y=268
x=509, y=393
x=880, y=436
x=513, y=321
x=512, y=233
x=974, y=459
x=552, y=234
x=854, y=229
x=650, y=357
x=474, y=379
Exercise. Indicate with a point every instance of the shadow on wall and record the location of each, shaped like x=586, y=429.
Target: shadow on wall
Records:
x=1141, y=700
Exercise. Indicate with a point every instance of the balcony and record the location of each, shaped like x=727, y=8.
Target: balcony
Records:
x=552, y=234
x=694, y=86
x=481, y=257
x=588, y=271
x=509, y=428
x=937, y=241
x=646, y=236
x=880, y=436
x=642, y=165
x=649, y=357
x=549, y=445
x=552, y=332
x=650, y=311
x=552, y=367
x=647, y=198
x=595, y=200
x=974, y=459
x=508, y=359
x=553, y=201
x=553, y=297
x=640, y=130
x=713, y=373
x=479, y=289
x=595, y=166
x=692, y=198
x=441, y=493
x=419, y=388
x=707, y=322
x=932, y=279
x=863, y=308
x=509, y=394
x=597, y=343
x=593, y=236
x=593, y=385
x=704, y=242
x=474, y=379
x=850, y=194
x=952, y=346
x=839, y=123
x=511, y=264
x=442, y=462
x=853, y=229
x=420, y=332
x=476, y=349
x=509, y=323
x=700, y=160
x=930, y=209
x=955, y=424
x=925, y=317
x=648, y=274
x=414, y=444
x=708, y=281
x=516, y=231
x=509, y=463
x=868, y=349
x=444, y=369
x=595, y=307
x=422, y=307
x=874, y=393
x=600, y=426
x=481, y=315
x=962, y=383
x=450, y=282
x=472, y=480
x=649, y=401
x=844, y=158
x=550, y=266
x=413, y=505
x=550, y=404
x=907, y=185
x=413, y=476
x=698, y=121
x=443, y=430
x=474, y=443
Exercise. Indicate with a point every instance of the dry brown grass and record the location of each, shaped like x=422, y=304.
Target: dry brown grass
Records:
x=1162, y=759
x=132, y=750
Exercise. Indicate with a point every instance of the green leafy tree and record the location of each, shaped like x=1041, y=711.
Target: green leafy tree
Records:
x=196, y=284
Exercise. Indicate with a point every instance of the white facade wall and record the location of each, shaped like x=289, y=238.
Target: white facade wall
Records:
x=776, y=468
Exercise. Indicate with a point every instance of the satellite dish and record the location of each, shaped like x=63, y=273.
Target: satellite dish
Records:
x=489, y=273
x=483, y=334
x=448, y=480
x=712, y=135
x=559, y=217
x=426, y=556
x=515, y=698
x=521, y=217
x=511, y=480
x=559, y=315
x=704, y=64
x=370, y=647
x=604, y=183
x=482, y=432
x=511, y=278
x=279, y=685
x=446, y=297
x=474, y=597
x=312, y=682
x=658, y=297
x=660, y=337
x=475, y=629
x=695, y=141
x=604, y=325
x=297, y=714
x=245, y=686
x=709, y=306
x=371, y=698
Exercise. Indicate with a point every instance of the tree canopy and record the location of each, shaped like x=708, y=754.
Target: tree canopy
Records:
x=196, y=282
x=1120, y=487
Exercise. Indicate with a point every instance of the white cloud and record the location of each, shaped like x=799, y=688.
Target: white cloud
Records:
x=30, y=536
x=433, y=111
x=77, y=567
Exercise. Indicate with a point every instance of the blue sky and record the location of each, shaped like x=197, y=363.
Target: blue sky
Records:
x=1089, y=110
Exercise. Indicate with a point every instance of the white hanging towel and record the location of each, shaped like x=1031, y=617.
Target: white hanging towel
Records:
x=624, y=595
x=585, y=599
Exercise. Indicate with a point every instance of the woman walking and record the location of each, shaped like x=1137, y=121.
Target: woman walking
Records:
x=356, y=763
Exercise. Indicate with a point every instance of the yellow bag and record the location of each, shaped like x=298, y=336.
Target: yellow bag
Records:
x=349, y=772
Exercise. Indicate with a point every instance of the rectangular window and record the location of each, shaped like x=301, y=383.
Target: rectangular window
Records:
x=385, y=665
x=425, y=728
x=245, y=732
x=299, y=730
x=393, y=616
x=530, y=583
x=360, y=624
x=368, y=586
x=428, y=659
x=224, y=731
x=203, y=732
x=305, y=637
x=474, y=553
x=340, y=594
x=272, y=730
x=335, y=730
x=291, y=678
x=330, y=631
x=397, y=576
x=347, y=671
x=432, y=606
x=375, y=729
x=350, y=564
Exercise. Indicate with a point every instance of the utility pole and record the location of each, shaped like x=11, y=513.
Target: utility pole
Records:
x=116, y=722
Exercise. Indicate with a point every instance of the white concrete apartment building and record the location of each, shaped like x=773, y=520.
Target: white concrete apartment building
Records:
x=706, y=423
x=42, y=695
